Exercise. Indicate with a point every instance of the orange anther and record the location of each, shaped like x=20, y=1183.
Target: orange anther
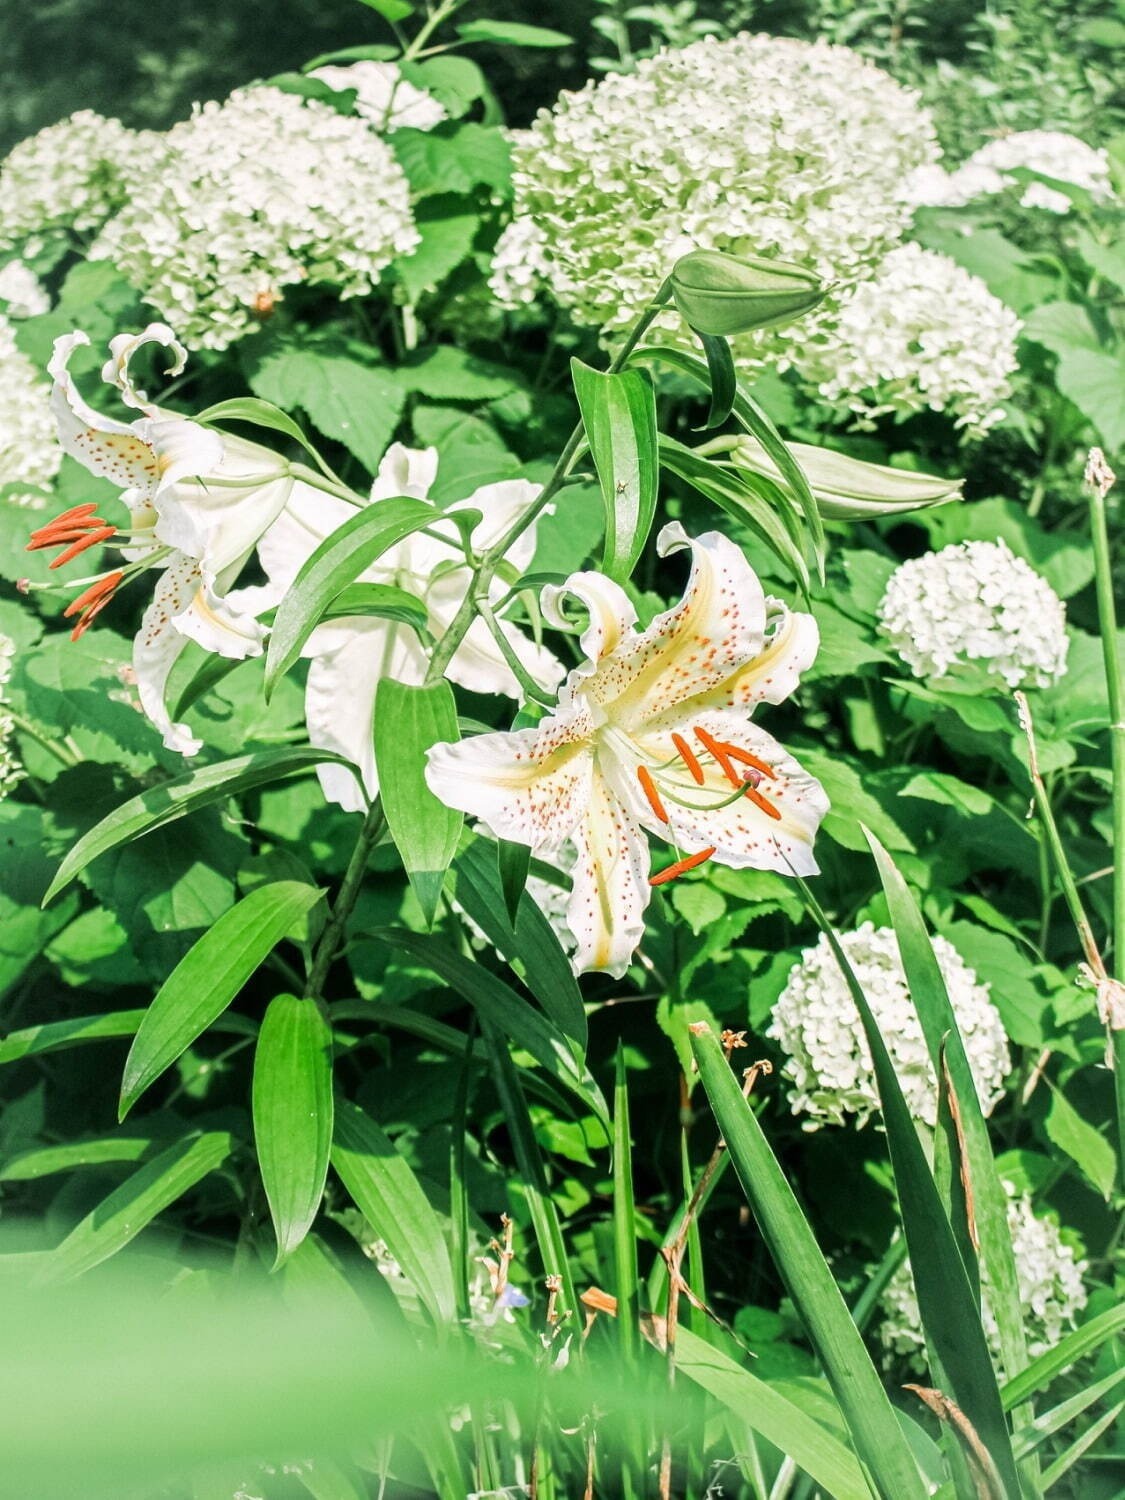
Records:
x=97, y=592
x=91, y=539
x=759, y=801
x=722, y=759
x=681, y=865
x=648, y=786
x=688, y=756
x=89, y=615
x=745, y=758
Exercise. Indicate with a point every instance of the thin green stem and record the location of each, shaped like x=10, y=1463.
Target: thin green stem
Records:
x=374, y=825
x=53, y=747
x=531, y=688
x=441, y=15
x=1099, y=480
x=329, y=486
x=455, y=634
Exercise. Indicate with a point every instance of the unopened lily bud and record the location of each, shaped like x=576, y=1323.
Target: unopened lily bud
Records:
x=724, y=294
x=847, y=489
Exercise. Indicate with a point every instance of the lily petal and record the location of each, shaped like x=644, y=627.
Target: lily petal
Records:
x=100, y=444
x=349, y=659
x=611, y=618
x=405, y=471
x=610, y=885
x=531, y=785
x=123, y=346
x=712, y=648
x=742, y=833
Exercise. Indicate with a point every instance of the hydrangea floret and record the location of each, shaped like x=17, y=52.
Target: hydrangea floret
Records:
x=828, y=1062
x=198, y=502
x=757, y=145
x=976, y=606
x=990, y=170
x=72, y=175
x=10, y=769
x=1051, y=1290
x=384, y=98
x=349, y=657
x=264, y=191
x=22, y=291
x=922, y=332
x=29, y=450
x=652, y=733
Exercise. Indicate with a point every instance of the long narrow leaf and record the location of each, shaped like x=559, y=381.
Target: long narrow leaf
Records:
x=408, y=721
x=292, y=1105
x=529, y=1160
x=495, y=1002
x=949, y=1308
x=619, y=415
x=773, y=1416
x=384, y=1188
x=626, y=1273
x=866, y=1408
x=530, y=942
x=336, y=563
x=121, y=1216
x=208, y=977
x=1068, y=1351
x=939, y=1026
x=163, y=804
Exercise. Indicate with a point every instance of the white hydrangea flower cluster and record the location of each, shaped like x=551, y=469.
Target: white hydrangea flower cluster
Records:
x=258, y=193
x=383, y=96
x=755, y=145
x=21, y=289
x=976, y=605
x=10, y=769
x=829, y=1066
x=922, y=332
x=1050, y=153
x=1050, y=1285
x=72, y=175
x=29, y=449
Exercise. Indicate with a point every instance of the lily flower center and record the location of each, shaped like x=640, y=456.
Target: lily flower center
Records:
x=75, y=531
x=686, y=780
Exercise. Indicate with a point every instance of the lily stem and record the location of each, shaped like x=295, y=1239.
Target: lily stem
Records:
x=374, y=826
x=459, y=625
x=1099, y=479
x=60, y=751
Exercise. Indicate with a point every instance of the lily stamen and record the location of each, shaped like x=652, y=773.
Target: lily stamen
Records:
x=719, y=755
x=91, y=539
x=648, y=786
x=745, y=758
x=91, y=602
x=681, y=866
x=689, y=758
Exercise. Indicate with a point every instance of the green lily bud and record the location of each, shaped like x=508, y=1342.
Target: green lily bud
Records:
x=723, y=294
x=847, y=489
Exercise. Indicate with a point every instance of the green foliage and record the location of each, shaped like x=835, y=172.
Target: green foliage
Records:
x=489, y=1201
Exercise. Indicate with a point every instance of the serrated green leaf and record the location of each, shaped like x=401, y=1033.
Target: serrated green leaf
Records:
x=293, y=1112
x=336, y=563
x=122, y=1215
x=161, y=805
x=384, y=1188
x=408, y=721
x=454, y=158
x=208, y=978
x=619, y=415
x=356, y=403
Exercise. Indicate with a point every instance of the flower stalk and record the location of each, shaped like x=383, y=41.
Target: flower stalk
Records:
x=374, y=826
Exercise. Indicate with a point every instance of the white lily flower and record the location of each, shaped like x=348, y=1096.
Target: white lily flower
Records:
x=198, y=503
x=652, y=732
x=349, y=657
